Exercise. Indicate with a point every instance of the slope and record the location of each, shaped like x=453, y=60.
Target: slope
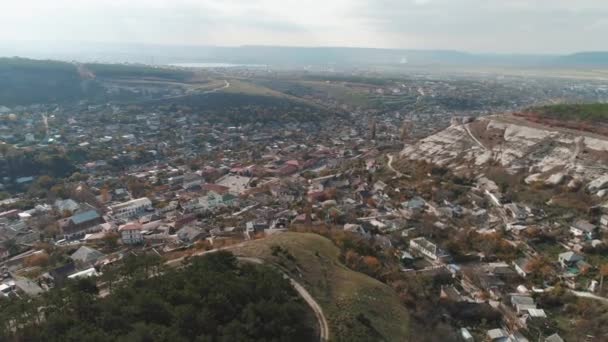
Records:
x=358, y=307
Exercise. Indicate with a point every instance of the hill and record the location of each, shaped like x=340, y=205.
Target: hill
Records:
x=358, y=308
x=212, y=299
x=137, y=71
x=548, y=147
x=589, y=112
x=595, y=59
x=243, y=102
x=26, y=81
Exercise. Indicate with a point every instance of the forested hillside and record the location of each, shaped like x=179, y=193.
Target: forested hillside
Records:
x=213, y=299
x=25, y=81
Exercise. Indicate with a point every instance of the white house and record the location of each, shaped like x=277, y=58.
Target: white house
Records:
x=584, y=229
x=131, y=233
x=428, y=249
x=131, y=209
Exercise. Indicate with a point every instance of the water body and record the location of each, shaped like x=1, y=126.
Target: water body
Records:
x=217, y=65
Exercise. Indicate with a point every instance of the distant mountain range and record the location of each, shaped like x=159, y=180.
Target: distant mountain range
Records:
x=293, y=56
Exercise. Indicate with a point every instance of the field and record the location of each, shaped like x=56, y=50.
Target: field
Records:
x=357, y=307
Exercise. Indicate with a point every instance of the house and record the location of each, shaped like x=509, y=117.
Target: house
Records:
x=582, y=228
x=522, y=303
x=498, y=335
x=256, y=226
x=90, y=272
x=554, y=338
x=190, y=234
x=131, y=233
x=428, y=249
x=131, y=209
x=60, y=274
x=79, y=224
x=192, y=180
x=569, y=259
x=28, y=287
x=450, y=293
x=86, y=256
x=67, y=205
x=466, y=336
x=357, y=229
x=604, y=222
x=517, y=213
x=522, y=267
x=415, y=205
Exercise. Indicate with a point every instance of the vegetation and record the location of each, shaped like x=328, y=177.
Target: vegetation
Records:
x=576, y=319
x=24, y=163
x=358, y=308
x=242, y=108
x=26, y=81
x=213, y=299
x=594, y=112
x=137, y=71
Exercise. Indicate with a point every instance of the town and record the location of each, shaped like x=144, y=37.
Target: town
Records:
x=504, y=218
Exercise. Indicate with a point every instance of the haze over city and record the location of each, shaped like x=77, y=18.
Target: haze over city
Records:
x=489, y=26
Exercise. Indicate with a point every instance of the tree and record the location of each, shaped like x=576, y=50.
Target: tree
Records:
x=11, y=246
x=603, y=273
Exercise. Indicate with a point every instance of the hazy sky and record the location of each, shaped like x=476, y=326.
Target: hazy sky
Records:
x=538, y=26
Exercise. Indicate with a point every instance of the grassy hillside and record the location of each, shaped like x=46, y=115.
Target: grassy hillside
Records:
x=138, y=71
x=26, y=81
x=591, y=117
x=358, y=308
x=593, y=112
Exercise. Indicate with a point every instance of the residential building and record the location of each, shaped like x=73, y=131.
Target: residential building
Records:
x=131, y=233
x=554, y=338
x=569, y=259
x=131, y=209
x=80, y=224
x=582, y=228
x=522, y=267
x=86, y=256
x=428, y=249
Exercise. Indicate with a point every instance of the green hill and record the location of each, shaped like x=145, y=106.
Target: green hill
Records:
x=26, y=81
x=591, y=112
x=138, y=71
x=358, y=308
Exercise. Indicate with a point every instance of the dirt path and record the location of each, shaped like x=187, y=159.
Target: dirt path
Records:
x=466, y=128
x=323, y=326
x=390, y=166
x=316, y=308
x=590, y=296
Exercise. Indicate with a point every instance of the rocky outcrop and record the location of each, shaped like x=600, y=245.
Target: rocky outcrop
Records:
x=553, y=157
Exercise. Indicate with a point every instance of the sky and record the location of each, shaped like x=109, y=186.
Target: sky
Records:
x=490, y=26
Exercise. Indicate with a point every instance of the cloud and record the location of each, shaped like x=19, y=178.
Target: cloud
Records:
x=477, y=25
